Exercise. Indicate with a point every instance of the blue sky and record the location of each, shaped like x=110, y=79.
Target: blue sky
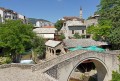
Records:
x=51, y=10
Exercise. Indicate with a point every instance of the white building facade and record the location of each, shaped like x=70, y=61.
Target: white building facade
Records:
x=10, y=14
x=47, y=33
x=73, y=25
x=43, y=23
x=70, y=27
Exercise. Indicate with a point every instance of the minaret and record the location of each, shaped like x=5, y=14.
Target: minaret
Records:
x=80, y=12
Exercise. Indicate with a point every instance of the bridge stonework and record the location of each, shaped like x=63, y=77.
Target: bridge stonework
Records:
x=61, y=67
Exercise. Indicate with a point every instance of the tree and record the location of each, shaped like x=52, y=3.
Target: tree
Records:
x=62, y=36
x=91, y=29
x=114, y=38
x=59, y=24
x=15, y=38
x=116, y=75
x=39, y=46
x=101, y=31
x=77, y=36
x=109, y=10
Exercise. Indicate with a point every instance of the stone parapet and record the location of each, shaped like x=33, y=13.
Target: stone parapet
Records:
x=22, y=66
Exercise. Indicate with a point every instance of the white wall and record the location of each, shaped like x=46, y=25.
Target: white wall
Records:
x=1, y=13
x=39, y=24
x=21, y=16
x=50, y=36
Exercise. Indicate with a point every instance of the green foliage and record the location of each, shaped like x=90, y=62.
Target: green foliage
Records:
x=76, y=36
x=115, y=76
x=109, y=10
x=15, y=37
x=5, y=60
x=59, y=24
x=91, y=29
x=62, y=36
x=83, y=36
x=39, y=45
x=100, y=32
x=114, y=38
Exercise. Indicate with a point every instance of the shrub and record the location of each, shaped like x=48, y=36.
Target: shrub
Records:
x=76, y=36
x=62, y=36
x=82, y=36
x=5, y=60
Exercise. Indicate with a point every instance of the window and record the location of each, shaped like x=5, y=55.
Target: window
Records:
x=82, y=31
x=52, y=51
x=73, y=32
x=58, y=51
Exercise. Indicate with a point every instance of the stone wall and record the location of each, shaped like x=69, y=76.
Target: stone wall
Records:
x=22, y=66
x=91, y=22
x=60, y=68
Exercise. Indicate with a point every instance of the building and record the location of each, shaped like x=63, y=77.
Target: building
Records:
x=47, y=32
x=10, y=14
x=43, y=23
x=73, y=25
x=54, y=48
x=93, y=20
x=23, y=18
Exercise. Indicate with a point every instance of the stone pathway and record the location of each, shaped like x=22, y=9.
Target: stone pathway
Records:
x=18, y=74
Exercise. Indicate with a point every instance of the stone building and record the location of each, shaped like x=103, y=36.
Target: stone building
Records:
x=93, y=20
x=47, y=32
x=54, y=48
x=73, y=25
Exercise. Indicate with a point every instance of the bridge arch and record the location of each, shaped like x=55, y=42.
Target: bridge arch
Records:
x=61, y=67
x=101, y=67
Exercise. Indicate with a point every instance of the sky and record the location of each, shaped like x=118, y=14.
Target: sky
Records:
x=51, y=10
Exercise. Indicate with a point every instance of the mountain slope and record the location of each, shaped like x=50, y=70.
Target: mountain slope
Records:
x=34, y=20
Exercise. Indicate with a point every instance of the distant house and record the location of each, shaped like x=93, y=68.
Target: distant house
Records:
x=73, y=25
x=43, y=23
x=23, y=18
x=54, y=48
x=10, y=14
x=47, y=32
x=93, y=20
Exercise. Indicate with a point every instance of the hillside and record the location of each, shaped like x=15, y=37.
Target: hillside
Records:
x=34, y=20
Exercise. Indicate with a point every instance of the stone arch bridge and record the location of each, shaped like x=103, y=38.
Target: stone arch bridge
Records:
x=61, y=67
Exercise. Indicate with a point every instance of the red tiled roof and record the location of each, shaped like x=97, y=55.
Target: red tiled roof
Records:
x=48, y=26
